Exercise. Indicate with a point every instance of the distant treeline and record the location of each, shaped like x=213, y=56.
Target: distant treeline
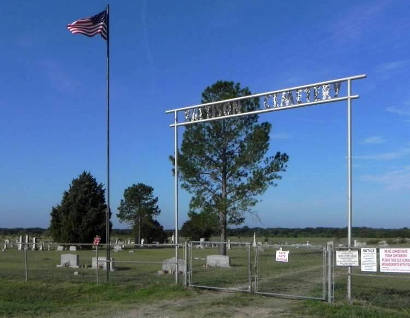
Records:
x=320, y=232
x=268, y=232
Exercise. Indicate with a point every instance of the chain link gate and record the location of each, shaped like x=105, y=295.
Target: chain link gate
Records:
x=307, y=273
x=208, y=269
x=302, y=274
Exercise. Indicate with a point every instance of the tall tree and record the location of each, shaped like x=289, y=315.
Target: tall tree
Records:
x=81, y=214
x=138, y=209
x=224, y=163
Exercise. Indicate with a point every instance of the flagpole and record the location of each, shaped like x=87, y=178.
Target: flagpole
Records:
x=107, y=215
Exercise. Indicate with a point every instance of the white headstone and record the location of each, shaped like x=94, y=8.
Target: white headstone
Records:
x=254, y=240
x=69, y=260
x=19, y=243
x=60, y=248
x=201, y=242
x=117, y=248
x=102, y=263
x=33, y=246
x=169, y=265
x=217, y=261
x=228, y=245
x=142, y=242
x=73, y=248
x=173, y=239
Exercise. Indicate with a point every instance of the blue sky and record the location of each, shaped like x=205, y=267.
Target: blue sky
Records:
x=163, y=54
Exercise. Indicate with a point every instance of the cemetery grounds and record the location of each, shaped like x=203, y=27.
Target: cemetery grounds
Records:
x=138, y=290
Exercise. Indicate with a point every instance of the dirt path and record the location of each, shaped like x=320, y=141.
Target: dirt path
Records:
x=215, y=305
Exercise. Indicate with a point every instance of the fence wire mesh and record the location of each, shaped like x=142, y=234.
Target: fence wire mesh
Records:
x=209, y=269
x=303, y=275
x=378, y=288
x=54, y=262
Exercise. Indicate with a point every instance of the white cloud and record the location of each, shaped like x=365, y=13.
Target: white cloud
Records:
x=401, y=111
x=374, y=140
x=392, y=66
x=392, y=180
x=386, y=155
x=359, y=20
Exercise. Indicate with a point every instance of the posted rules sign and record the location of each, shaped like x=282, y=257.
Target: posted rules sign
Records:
x=347, y=258
x=282, y=256
x=395, y=260
x=368, y=258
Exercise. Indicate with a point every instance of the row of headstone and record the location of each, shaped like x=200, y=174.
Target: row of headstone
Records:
x=73, y=261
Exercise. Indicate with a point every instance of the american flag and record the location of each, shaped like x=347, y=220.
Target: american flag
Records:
x=91, y=26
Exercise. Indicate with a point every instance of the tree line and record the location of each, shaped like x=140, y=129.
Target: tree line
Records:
x=248, y=232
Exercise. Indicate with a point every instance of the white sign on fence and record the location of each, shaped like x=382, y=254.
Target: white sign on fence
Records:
x=282, y=256
x=395, y=260
x=368, y=259
x=347, y=258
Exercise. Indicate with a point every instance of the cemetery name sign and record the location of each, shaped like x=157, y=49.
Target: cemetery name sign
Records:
x=300, y=96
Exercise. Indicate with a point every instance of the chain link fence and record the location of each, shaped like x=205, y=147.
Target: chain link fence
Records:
x=55, y=262
x=380, y=279
x=293, y=271
x=208, y=269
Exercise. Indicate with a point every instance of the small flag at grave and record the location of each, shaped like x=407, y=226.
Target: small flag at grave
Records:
x=97, y=240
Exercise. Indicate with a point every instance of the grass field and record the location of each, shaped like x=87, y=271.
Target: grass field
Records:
x=137, y=290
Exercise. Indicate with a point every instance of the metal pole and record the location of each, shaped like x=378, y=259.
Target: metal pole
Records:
x=249, y=270
x=176, y=194
x=329, y=251
x=349, y=185
x=324, y=255
x=25, y=262
x=186, y=263
x=96, y=256
x=107, y=215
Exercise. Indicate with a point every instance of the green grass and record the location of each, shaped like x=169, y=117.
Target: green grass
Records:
x=324, y=310
x=29, y=299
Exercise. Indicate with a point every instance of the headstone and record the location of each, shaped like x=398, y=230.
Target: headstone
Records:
x=4, y=246
x=359, y=244
x=254, y=240
x=33, y=246
x=60, y=248
x=173, y=239
x=228, y=245
x=169, y=265
x=26, y=242
x=383, y=243
x=117, y=248
x=142, y=242
x=102, y=263
x=19, y=243
x=116, y=242
x=201, y=242
x=41, y=247
x=69, y=260
x=73, y=248
x=218, y=261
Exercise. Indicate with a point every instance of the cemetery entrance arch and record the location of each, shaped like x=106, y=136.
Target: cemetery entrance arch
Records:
x=326, y=92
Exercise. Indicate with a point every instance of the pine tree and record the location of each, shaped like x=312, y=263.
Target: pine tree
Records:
x=224, y=163
x=81, y=214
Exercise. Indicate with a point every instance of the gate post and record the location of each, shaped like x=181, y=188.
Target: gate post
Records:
x=186, y=263
x=329, y=252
